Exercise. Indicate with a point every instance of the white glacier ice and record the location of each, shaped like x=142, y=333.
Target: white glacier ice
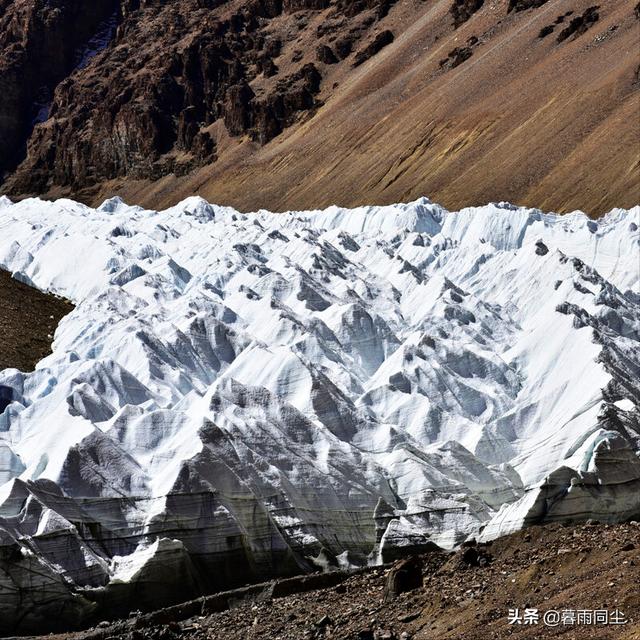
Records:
x=239, y=396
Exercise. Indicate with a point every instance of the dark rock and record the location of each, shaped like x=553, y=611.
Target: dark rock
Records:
x=405, y=575
x=187, y=127
x=279, y=109
x=269, y=68
x=470, y=557
x=273, y=47
x=541, y=248
x=383, y=39
x=237, y=113
x=561, y=18
x=325, y=621
x=474, y=557
x=277, y=235
x=523, y=5
x=456, y=57
x=40, y=44
x=203, y=147
x=580, y=24
x=324, y=53
x=545, y=31
x=462, y=10
x=344, y=46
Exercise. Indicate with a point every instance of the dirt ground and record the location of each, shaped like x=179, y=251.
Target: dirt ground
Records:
x=28, y=320
x=465, y=595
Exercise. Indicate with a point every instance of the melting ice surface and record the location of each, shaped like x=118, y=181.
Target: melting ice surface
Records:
x=241, y=396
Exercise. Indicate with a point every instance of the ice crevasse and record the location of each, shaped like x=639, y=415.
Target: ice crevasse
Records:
x=241, y=396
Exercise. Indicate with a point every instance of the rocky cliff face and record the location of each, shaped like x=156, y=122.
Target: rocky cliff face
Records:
x=334, y=100
x=172, y=70
x=41, y=43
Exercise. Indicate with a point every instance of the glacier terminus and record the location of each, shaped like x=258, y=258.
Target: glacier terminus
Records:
x=242, y=396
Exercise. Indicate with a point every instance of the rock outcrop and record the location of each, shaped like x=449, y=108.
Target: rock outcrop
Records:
x=380, y=41
x=462, y=10
x=41, y=43
x=580, y=24
x=147, y=111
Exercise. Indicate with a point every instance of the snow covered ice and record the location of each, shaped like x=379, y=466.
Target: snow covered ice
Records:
x=241, y=396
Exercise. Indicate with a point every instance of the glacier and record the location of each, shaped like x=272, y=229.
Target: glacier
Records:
x=237, y=396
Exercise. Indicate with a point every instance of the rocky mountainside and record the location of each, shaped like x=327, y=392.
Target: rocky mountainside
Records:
x=41, y=44
x=28, y=319
x=304, y=103
x=240, y=397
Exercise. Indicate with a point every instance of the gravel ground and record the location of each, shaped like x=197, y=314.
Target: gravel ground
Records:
x=28, y=320
x=464, y=595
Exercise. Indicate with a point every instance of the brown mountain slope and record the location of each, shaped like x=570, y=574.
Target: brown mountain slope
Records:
x=28, y=320
x=538, y=106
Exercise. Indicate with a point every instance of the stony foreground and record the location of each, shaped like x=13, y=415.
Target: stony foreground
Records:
x=465, y=595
